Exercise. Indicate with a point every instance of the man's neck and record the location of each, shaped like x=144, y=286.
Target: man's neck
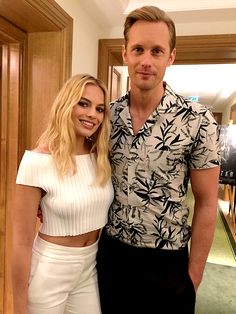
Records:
x=142, y=104
x=145, y=100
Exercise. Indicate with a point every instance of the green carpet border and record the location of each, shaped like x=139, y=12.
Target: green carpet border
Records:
x=228, y=232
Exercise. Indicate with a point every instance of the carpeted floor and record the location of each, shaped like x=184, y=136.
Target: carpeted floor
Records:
x=221, y=251
x=217, y=292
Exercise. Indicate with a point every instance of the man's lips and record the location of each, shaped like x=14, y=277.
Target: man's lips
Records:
x=144, y=73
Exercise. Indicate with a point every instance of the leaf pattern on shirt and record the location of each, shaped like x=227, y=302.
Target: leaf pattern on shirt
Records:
x=151, y=169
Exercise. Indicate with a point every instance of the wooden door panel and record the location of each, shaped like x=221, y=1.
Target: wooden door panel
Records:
x=35, y=63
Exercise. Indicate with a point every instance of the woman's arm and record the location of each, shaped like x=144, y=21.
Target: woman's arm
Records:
x=24, y=218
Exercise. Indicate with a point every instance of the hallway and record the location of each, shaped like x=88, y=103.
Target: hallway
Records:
x=216, y=294
x=221, y=251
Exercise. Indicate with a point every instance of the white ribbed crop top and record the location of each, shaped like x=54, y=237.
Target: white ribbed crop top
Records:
x=73, y=205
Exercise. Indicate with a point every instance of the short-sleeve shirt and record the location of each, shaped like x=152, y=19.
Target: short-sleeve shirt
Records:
x=151, y=170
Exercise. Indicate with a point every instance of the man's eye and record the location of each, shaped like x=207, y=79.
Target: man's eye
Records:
x=138, y=49
x=156, y=51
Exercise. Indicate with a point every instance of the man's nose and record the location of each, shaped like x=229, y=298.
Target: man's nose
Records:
x=146, y=59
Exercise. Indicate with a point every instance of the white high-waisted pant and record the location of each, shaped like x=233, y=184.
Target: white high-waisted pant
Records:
x=63, y=280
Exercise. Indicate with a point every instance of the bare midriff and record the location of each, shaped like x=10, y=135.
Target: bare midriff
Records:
x=81, y=240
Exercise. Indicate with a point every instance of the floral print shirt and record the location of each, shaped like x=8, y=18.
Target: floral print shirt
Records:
x=151, y=170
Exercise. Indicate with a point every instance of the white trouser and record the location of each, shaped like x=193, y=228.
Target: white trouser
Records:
x=63, y=280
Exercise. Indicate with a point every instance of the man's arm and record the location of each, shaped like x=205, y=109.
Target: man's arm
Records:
x=205, y=184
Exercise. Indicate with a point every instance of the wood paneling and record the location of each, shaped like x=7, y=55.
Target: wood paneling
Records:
x=43, y=61
x=233, y=113
x=36, y=40
x=10, y=100
x=205, y=49
x=109, y=53
x=13, y=127
x=218, y=117
x=3, y=161
x=41, y=15
x=115, y=89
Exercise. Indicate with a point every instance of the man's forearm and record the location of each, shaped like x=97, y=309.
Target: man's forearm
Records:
x=203, y=227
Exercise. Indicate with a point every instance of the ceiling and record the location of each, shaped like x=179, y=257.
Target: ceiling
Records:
x=111, y=13
x=213, y=84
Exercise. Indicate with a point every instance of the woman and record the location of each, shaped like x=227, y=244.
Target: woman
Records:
x=68, y=176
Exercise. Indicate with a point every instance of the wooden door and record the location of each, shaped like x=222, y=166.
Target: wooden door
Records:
x=196, y=49
x=36, y=55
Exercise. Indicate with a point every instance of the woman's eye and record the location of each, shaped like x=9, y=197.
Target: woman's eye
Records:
x=100, y=109
x=82, y=104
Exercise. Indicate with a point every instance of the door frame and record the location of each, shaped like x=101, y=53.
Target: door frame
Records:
x=21, y=94
x=196, y=49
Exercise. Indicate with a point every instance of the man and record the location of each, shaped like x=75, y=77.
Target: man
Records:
x=159, y=142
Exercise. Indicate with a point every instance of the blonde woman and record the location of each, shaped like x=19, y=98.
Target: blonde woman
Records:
x=68, y=176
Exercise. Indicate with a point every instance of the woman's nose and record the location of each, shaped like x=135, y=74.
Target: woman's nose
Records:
x=91, y=111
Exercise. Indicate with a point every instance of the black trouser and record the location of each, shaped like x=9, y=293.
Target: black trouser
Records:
x=143, y=280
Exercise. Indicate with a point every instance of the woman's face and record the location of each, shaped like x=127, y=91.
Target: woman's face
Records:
x=88, y=114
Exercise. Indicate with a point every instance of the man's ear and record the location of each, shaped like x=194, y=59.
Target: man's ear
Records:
x=124, y=54
x=172, y=57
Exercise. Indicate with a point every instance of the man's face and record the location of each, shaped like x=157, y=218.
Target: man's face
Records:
x=147, y=54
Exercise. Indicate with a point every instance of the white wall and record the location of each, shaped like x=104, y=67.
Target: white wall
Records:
x=85, y=38
x=87, y=32
x=186, y=29
x=206, y=28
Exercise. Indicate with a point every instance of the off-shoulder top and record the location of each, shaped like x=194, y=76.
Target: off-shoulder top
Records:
x=72, y=205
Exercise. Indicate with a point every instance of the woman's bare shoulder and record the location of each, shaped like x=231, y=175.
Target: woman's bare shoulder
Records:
x=41, y=150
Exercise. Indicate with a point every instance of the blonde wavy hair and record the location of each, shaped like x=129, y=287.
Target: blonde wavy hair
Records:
x=60, y=137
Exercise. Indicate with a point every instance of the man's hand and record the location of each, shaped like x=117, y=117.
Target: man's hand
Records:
x=40, y=215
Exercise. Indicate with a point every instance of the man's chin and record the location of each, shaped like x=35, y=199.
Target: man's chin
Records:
x=145, y=85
